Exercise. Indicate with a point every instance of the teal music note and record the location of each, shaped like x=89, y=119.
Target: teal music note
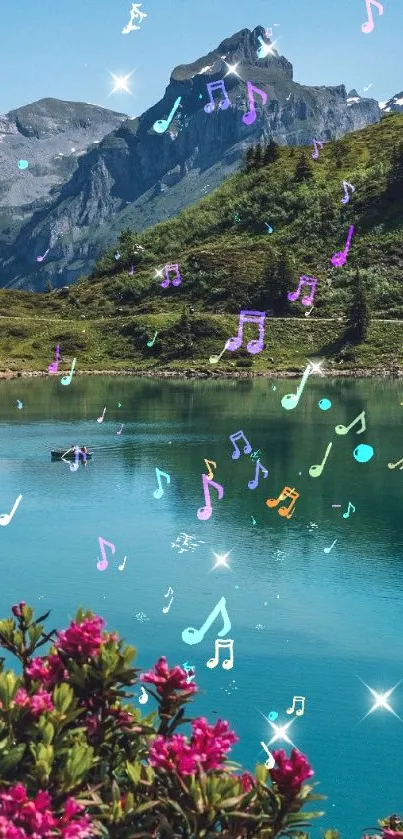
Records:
x=290, y=400
x=194, y=636
x=161, y=125
x=158, y=493
x=65, y=380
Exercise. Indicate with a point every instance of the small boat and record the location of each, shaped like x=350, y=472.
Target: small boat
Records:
x=69, y=456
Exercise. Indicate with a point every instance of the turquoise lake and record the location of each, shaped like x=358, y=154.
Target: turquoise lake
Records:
x=304, y=622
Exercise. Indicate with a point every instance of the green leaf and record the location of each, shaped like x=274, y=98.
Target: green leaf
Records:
x=11, y=760
x=134, y=772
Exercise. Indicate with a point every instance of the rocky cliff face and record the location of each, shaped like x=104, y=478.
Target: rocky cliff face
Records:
x=136, y=177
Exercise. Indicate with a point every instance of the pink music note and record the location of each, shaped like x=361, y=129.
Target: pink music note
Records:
x=41, y=258
x=177, y=281
x=340, y=257
x=103, y=563
x=204, y=513
x=254, y=346
x=368, y=26
x=304, y=280
x=259, y=468
x=238, y=435
x=316, y=153
x=250, y=116
x=224, y=104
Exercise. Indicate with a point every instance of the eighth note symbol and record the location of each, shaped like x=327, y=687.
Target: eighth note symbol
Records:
x=301, y=710
x=158, y=493
x=144, y=697
x=191, y=635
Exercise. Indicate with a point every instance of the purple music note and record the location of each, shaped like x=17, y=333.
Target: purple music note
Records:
x=41, y=258
x=250, y=116
x=53, y=368
x=237, y=436
x=340, y=257
x=204, y=513
x=304, y=280
x=224, y=104
x=259, y=468
x=254, y=346
x=177, y=281
x=316, y=144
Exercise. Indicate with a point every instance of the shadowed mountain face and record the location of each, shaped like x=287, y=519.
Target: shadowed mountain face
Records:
x=135, y=177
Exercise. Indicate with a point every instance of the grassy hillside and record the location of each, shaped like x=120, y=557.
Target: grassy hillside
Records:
x=229, y=262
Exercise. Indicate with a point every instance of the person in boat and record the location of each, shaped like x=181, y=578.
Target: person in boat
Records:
x=84, y=452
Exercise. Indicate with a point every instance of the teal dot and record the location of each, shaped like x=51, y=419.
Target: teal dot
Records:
x=324, y=404
x=363, y=453
x=23, y=164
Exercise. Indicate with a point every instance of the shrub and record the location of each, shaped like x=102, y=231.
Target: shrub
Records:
x=77, y=759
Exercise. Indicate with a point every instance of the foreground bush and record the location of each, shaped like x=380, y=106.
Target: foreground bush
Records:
x=77, y=759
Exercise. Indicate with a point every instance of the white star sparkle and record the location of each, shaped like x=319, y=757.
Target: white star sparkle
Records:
x=158, y=272
x=280, y=731
x=232, y=69
x=121, y=83
x=381, y=700
x=221, y=560
x=316, y=367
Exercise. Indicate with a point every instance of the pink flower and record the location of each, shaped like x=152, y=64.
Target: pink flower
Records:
x=211, y=742
x=208, y=745
x=49, y=670
x=290, y=773
x=21, y=817
x=166, y=680
x=173, y=753
x=82, y=639
x=17, y=610
x=40, y=702
x=247, y=780
x=388, y=833
x=37, y=703
x=21, y=698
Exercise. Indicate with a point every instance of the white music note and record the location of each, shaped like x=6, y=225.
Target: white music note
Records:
x=5, y=518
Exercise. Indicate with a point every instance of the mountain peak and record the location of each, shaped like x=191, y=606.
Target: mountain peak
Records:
x=239, y=48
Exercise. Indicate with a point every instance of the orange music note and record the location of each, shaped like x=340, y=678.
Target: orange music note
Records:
x=368, y=26
x=220, y=644
x=287, y=492
x=209, y=464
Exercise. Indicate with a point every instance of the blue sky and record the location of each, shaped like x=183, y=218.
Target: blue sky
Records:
x=68, y=50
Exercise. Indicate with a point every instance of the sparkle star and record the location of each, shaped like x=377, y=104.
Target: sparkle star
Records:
x=381, y=700
x=158, y=272
x=316, y=367
x=221, y=560
x=232, y=69
x=121, y=83
x=280, y=731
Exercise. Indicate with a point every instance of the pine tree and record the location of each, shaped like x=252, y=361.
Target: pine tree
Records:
x=303, y=171
x=395, y=177
x=271, y=152
x=284, y=282
x=359, y=313
x=257, y=156
x=249, y=158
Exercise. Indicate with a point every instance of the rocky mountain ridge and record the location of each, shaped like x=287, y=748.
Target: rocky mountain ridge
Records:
x=136, y=177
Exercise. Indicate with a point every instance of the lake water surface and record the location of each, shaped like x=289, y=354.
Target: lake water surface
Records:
x=303, y=622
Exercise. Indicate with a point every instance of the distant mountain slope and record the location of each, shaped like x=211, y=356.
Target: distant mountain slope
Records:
x=50, y=135
x=136, y=177
x=228, y=262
